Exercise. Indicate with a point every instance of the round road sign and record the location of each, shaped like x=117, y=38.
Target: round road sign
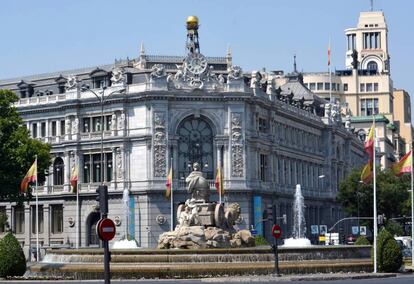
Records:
x=106, y=229
x=276, y=231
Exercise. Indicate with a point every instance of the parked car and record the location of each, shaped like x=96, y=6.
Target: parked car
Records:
x=405, y=244
x=351, y=239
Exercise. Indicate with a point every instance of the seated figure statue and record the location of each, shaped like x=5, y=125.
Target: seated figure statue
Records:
x=198, y=186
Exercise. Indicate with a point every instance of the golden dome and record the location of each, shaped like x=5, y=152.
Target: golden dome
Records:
x=192, y=22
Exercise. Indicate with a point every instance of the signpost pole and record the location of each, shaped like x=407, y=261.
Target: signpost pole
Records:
x=276, y=232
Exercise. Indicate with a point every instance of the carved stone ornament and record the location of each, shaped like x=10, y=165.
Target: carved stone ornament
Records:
x=72, y=83
x=158, y=71
x=119, y=164
x=71, y=222
x=118, y=77
x=117, y=221
x=160, y=219
x=237, y=145
x=255, y=81
x=195, y=73
x=235, y=73
x=75, y=126
x=160, y=145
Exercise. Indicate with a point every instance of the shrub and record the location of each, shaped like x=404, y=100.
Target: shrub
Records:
x=389, y=256
x=12, y=260
x=362, y=241
x=394, y=228
x=260, y=241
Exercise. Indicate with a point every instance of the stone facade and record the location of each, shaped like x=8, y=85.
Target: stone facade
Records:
x=266, y=139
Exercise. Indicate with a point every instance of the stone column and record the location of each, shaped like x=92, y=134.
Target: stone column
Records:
x=46, y=225
x=27, y=229
x=114, y=179
x=67, y=128
x=9, y=214
x=66, y=174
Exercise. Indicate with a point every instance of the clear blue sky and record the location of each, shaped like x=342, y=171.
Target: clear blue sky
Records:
x=48, y=35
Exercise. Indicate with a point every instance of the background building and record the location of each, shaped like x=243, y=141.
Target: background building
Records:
x=365, y=89
x=187, y=109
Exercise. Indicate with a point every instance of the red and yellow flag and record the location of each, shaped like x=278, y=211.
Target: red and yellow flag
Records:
x=168, y=184
x=31, y=176
x=219, y=182
x=403, y=166
x=369, y=143
x=74, y=179
x=366, y=174
x=329, y=53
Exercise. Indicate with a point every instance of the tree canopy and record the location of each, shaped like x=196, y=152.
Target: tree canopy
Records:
x=17, y=150
x=393, y=198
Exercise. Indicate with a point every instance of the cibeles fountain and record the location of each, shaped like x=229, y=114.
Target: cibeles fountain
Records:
x=299, y=224
x=205, y=224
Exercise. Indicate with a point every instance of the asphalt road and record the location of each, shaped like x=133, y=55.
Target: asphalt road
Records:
x=400, y=279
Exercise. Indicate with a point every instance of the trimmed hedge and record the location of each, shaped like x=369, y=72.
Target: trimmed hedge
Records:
x=12, y=260
x=362, y=241
x=389, y=256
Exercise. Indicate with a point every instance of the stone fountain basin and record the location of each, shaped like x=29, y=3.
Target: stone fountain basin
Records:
x=150, y=263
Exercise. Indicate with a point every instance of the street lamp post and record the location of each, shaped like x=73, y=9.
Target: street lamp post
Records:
x=104, y=211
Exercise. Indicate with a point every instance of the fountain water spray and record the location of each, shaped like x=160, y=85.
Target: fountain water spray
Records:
x=299, y=225
x=125, y=243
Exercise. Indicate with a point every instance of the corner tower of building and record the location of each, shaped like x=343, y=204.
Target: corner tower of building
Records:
x=370, y=40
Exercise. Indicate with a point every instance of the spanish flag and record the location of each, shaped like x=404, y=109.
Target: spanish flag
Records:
x=369, y=143
x=31, y=176
x=403, y=166
x=169, y=184
x=219, y=182
x=329, y=53
x=366, y=174
x=74, y=180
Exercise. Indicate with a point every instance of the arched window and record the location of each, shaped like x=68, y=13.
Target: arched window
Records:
x=58, y=171
x=195, y=144
x=372, y=65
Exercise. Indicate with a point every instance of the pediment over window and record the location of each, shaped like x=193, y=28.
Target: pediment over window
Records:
x=61, y=80
x=98, y=72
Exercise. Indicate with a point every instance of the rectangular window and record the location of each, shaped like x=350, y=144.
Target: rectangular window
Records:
x=376, y=109
x=3, y=216
x=108, y=166
x=86, y=168
x=19, y=220
x=362, y=87
x=327, y=86
x=262, y=125
x=62, y=89
x=345, y=87
x=57, y=218
x=312, y=86
x=96, y=122
x=96, y=167
x=53, y=128
x=40, y=216
x=369, y=87
x=62, y=127
x=375, y=87
x=43, y=129
x=369, y=107
x=263, y=167
x=86, y=125
x=34, y=130
x=363, y=107
x=108, y=122
x=320, y=86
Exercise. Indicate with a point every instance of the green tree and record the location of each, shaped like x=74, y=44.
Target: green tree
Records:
x=12, y=260
x=392, y=195
x=17, y=150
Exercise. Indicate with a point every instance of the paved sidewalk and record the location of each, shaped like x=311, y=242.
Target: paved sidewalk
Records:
x=307, y=277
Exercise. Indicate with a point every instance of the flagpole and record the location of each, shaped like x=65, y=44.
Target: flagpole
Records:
x=375, y=197
x=37, y=216
x=172, y=196
x=329, y=70
x=77, y=211
x=412, y=209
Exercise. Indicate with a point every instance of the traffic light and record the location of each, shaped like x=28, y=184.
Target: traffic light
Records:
x=268, y=213
x=102, y=198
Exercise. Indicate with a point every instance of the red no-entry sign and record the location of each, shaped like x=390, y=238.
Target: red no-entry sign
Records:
x=276, y=231
x=105, y=228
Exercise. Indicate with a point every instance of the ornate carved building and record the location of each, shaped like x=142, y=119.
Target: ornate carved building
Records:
x=183, y=109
